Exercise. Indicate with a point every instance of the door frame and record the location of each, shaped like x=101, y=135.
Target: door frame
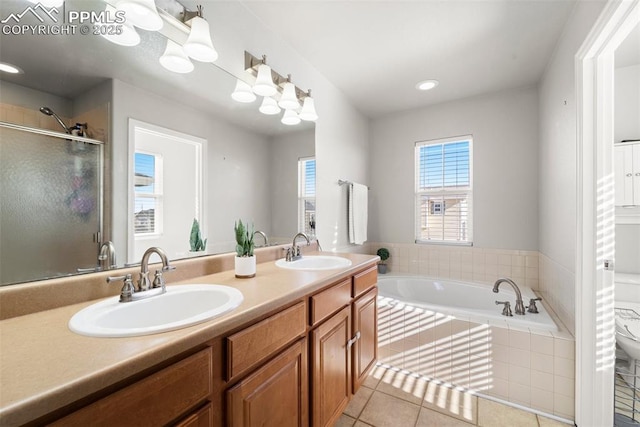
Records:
x=594, y=290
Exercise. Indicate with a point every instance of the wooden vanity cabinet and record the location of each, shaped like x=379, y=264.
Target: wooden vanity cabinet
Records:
x=179, y=391
x=343, y=343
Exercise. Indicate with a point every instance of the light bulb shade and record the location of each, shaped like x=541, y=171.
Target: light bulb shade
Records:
x=174, y=59
x=243, y=92
x=269, y=106
x=264, y=85
x=289, y=100
x=141, y=13
x=199, y=45
x=290, y=118
x=308, y=112
x=128, y=37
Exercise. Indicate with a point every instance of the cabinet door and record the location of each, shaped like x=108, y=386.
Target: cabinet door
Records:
x=365, y=327
x=274, y=395
x=331, y=368
x=201, y=418
x=623, y=170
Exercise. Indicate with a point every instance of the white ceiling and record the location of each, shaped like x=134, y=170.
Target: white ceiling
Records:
x=376, y=51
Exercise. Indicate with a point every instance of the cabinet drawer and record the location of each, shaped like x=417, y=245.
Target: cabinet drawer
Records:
x=329, y=301
x=156, y=400
x=256, y=343
x=365, y=280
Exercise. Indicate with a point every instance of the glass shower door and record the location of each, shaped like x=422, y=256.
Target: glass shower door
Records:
x=50, y=204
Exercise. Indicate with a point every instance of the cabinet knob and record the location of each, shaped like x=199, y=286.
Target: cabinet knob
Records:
x=629, y=174
x=637, y=173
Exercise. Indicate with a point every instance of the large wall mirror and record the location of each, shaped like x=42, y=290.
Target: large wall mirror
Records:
x=252, y=164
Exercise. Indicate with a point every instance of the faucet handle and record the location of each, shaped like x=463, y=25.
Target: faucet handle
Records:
x=506, y=311
x=127, y=291
x=532, y=308
x=158, y=280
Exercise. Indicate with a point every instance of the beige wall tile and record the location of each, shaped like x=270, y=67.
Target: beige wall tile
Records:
x=563, y=406
x=542, y=400
x=519, y=357
x=564, y=367
x=564, y=386
x=498, y=388
x=520, y=340
x=499, y=335
x=520, y=394
x=542, y=362
x=519, y=375
x=564, y=348
x=542, y=344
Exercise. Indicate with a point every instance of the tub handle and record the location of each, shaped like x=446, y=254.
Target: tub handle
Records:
x=532, y=307
x=353, y=340
x=506, y=311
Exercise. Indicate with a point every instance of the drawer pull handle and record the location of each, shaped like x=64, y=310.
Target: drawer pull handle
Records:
x=353, y=340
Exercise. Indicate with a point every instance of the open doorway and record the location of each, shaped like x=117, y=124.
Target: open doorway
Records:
x=595, y=291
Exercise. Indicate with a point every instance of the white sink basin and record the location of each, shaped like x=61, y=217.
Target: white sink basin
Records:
x=179, y=307
x=317, y=262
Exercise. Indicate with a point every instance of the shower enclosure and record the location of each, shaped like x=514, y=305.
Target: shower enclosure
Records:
x=50, y=203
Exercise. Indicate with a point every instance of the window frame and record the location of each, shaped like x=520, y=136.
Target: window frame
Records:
x=443, y=192
x=302, y=196
x=157, y=196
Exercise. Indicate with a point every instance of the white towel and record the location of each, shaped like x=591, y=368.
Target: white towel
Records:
x=358, y=213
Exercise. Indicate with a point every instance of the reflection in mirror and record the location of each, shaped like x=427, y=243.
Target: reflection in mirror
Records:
x=250, y=167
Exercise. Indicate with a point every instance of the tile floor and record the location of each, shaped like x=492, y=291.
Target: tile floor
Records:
x=393, y=398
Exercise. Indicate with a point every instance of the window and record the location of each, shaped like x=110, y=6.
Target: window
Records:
x=443, y=190
x=148, y=194
x=307, y=195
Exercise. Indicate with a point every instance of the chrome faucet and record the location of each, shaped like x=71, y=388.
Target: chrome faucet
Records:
x=293, y=253
x=107, y=256
x=146, y=288
x=264, y=236
x=519, y=304
x=144, y=284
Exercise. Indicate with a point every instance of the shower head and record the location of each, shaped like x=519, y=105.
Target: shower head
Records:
x=49, y=112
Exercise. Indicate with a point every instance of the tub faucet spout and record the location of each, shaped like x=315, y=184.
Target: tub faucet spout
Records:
x=519, y=303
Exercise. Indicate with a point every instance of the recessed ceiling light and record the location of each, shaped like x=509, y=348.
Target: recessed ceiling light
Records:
x=9, y=68
x=427, y=84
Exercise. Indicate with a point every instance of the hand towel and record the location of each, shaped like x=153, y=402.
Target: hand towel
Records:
x=357, y=213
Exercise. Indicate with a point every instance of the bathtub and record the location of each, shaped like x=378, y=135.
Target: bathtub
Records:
x=473, y=301
x=453, y=333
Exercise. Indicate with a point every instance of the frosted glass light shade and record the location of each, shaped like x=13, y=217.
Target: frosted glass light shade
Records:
x=264, y=85
x=290, y=118
x=308, y=112
x=289, y=100
x=243, y=92
x=174, y=59
x=129, y=35
x=199, y=45
x=269, y=106
x=141, y=13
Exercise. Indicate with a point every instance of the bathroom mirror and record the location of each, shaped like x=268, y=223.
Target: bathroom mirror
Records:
x=252, y=161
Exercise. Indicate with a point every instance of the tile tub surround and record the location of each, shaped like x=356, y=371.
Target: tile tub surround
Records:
x=525, y=367
x=484, y=265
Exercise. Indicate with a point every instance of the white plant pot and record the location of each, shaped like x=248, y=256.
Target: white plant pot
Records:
x=245, y=267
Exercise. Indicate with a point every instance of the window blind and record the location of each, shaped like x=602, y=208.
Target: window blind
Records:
x=443, y=191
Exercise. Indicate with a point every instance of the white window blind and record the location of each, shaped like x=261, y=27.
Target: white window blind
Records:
x=148, y=194
x=307, y=195
x=443, y=190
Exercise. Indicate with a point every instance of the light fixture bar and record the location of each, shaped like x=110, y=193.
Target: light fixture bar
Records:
x=251, y=64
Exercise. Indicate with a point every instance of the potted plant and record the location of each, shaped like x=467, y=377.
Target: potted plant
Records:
x=195, y=239
x=245, y=261
x=384, y=255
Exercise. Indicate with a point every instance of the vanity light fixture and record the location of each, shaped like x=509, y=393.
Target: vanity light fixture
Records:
x=264, y=85
x=308, y=112
x=128, y=37
x=269, y=106
x=427, y=84
x=10, y=68
x=141, y=13
x=199, y=45
x=175, y=59
x=290, y=118
x=279, y=87
x=289, y=100
x=243, y=92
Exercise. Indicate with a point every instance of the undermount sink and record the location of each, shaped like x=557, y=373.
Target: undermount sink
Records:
x=316, y=262
x=179, y=307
